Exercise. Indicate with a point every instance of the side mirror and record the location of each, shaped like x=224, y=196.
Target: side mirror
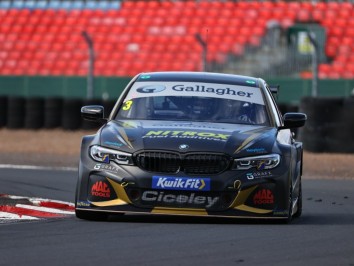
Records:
x=92, y=113
x=293, y=120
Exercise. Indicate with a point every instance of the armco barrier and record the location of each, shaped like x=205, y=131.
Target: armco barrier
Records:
x=15, y=112
x=329, y=124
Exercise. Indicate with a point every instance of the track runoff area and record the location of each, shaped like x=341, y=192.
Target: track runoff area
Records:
x=18, y=208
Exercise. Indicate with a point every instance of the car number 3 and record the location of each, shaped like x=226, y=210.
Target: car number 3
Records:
x=127, y=105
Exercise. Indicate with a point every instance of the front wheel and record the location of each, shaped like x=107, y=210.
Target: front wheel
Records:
x=288, y=219
x=299, y=203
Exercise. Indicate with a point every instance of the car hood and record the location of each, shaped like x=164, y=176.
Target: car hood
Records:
x=233, y=139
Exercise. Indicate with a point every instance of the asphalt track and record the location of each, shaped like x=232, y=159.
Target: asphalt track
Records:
x=324, y=235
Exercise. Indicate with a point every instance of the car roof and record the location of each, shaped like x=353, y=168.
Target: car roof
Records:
x=206, y=77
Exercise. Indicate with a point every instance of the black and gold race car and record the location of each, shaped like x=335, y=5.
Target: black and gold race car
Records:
x=194, y=144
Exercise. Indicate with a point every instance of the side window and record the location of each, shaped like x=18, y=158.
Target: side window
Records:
x=273, y=106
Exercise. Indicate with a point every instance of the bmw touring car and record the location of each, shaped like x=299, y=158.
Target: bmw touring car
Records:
x=193, y=144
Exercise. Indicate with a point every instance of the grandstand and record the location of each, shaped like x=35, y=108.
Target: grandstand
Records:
x=44, y=37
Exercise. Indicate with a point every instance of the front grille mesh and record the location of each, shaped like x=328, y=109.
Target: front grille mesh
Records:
x=164, y=162
x=205, y=163
x=193, y=163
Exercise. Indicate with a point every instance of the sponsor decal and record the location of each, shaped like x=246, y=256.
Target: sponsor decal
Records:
x=192, y=199
x=186, y=135
x=190, y=125
x=198, y=89
x=206, y=89
x=105, y=158
x=101, y=189
x=181, y=183
x=263, y=196
x=256, y=175
x=106, y=167
x=255, y=150
x=83, y=204
x=151, y=88
x=127, y=105
x=261, y=165
x=116, y=144
x=254, y=136
x=183, y=147
x=121, y=136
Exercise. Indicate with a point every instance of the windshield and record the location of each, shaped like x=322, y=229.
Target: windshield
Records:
x=188, y=101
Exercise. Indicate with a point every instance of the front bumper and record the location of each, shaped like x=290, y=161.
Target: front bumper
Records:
x=232, y=194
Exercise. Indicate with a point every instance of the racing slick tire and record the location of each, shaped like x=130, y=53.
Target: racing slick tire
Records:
x=3, y=110
x=34, y=113
x=299, y=203
x=290, y=210
x=15, y=112
x=52, y=112
x=91, y=216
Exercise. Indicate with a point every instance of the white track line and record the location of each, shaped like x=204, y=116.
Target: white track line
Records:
x=38, y=200
x=12, y=216
x=35, y=167
x=44, y=209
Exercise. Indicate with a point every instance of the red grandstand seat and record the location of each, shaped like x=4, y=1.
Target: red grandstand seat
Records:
x=303, y=15
x=336, y=31
x=331, y=50
x=344, y=50
x=5, y=28
x=330, y=15
x=14, y=55
x=320, y=6
x=349, y=31
x=333, y=75
x=307, y=5
x=306, y=74
x=255, y=41
x=317, y=15
x=27, y=55
x=343, y=59
x=348, y=75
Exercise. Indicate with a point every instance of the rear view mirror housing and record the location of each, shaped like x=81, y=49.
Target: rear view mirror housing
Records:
x=294, y=120
x=93, y=113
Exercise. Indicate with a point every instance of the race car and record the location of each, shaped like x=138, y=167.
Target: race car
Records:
x=192, y=144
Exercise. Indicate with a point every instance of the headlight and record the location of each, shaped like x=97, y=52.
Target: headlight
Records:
x=259, y=162
x=105, y=155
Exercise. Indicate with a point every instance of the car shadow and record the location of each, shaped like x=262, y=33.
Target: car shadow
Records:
x=170, y=219
x=306, y=219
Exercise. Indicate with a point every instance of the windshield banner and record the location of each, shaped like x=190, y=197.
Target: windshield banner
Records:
x=196, y=89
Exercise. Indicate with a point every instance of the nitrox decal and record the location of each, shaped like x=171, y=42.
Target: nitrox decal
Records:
x=186, y=135
x=181, y=183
